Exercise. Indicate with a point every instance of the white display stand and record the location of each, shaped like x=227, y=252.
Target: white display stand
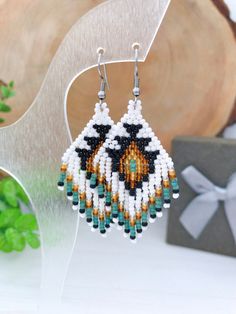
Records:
x=31, y=148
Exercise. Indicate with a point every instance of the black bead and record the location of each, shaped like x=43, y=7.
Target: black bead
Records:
x=114, y=215
x=59, y=183
x=175, y=190
x=167, y=201
x=132, y=237
x=82, y=210
x=127, y=185
x=75, y=203
x=127, y=230
x=120, y=223
x=139, y=184
x=159, y=210
x=88, y=175
x=121, y=176
x=95, y=226
x=89, y=220
x=69, y=193
x=144, y=224
x=145, y=178
x=107, y=226
x=139, y=230
x=132, y=192
x=153, y=216
x=103, y=231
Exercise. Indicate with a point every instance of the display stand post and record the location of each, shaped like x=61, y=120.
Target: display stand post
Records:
x=31, y=148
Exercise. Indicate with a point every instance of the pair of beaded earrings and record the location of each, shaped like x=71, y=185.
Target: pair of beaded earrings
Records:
x=118, y=173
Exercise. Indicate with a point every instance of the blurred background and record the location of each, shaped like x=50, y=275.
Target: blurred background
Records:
x=188, y=88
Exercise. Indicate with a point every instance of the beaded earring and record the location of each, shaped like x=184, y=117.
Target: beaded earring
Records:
x=77, y=161
x=136, y=174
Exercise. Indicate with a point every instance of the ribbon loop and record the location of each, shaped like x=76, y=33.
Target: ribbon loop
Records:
x=201, y=209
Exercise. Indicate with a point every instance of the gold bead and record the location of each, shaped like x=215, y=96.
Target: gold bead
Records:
x=132, y=222
x=75, y=188
x=101, y=216
x=166, y=183
x=100, y=180
x=115, y=197
x=108, y=188
x=172, y=174
x=89, y=203
x=126, y=214
x=95, y=212
x=69, y=178
x=138, y=215
x=144, y=207
x=120, y=207
x=152, y=200
x=83, y=196
x=63, y=167
x=159, y=192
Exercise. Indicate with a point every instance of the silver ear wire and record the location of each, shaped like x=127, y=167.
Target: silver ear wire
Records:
x=136, y=89
x=103, y=76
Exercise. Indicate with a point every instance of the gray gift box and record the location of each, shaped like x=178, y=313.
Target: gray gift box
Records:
x=215, y=159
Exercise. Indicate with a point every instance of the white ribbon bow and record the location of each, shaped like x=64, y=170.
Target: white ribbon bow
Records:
x=201, y=209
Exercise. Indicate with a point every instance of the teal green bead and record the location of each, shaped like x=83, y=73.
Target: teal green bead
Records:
x=107, y=220
x=108, y=197
x=82, y=204
x=62, y=176
x=121, y=217
x=158, y=202
x=174, y=183
x=132, y=165
x=93, y=177
x=144, y=216
x=127, y=226
x=95, y=220
x=152, y=209
x=102, y=225
x=132, y=231
x=75, y=196
x=138, y=224
x=100, y=189
x=69, y=187
x=114, y=208
x=89, y=212
x=166, y=193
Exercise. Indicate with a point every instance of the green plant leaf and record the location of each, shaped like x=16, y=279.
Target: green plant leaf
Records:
x=4, y=107
x=4, y=91
x=16, y=239
x=26, y=222
x=21, y=194
x=9, y=192
x=12, y=93
x=11, y=84
x=32, y=239
x=9, y=216
x=2, y=120
x=5, y=246
x=3, y=205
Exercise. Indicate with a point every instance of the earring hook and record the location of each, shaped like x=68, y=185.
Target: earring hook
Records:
x=103, y=76
x=136, y=89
